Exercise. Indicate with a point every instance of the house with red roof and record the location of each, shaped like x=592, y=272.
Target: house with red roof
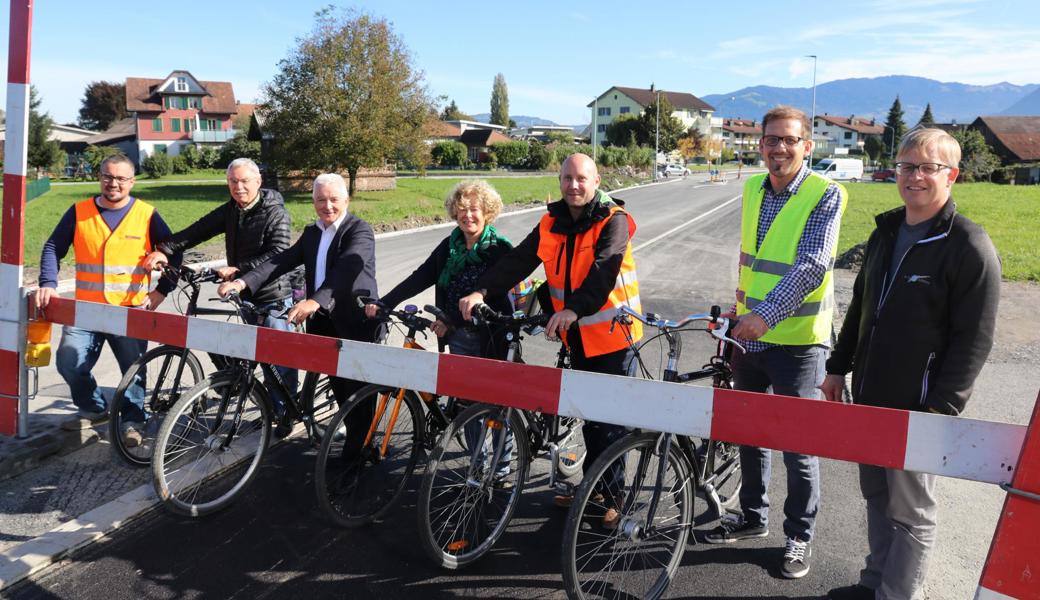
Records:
x=832, y=131
x=617, y=101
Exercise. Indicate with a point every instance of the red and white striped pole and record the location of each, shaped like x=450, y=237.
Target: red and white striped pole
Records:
x=13, y=386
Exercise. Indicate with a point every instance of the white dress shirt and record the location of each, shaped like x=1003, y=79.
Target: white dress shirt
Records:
x=328, y=232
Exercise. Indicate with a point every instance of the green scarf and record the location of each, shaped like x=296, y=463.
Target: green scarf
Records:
x=460, y=257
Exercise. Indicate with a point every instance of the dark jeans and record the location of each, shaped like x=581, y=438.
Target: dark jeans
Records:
x=786, y=371
x=289, y=376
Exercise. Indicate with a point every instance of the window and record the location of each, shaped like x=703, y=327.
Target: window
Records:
x=182, y=102
x=182, y=84
x=624, y=109
x=156, y=124
x=160, y=149
x=604, y=111
x=175, y=125
x=209, y=125
x=601, y=128
x=848, y=135
x=168, y=101
x=189, y=125
x=195, y=102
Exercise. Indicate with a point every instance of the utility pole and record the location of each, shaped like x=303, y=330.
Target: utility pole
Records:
x=812, y=119
x=657, y=132
x=595, y=110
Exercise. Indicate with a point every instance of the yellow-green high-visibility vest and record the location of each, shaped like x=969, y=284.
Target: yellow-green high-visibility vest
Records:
x=762, y=268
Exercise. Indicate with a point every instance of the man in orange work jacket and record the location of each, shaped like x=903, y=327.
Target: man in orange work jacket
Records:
x=584, y=242
x=110, y=234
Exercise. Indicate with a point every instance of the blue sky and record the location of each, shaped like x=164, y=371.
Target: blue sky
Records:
x=556, y=56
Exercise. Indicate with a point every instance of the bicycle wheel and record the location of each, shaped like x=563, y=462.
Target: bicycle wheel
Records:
x=638, y=554
x=165, y=373
x=572, y=447
x=368, y=454
x=316, y=400
x=722, y=474
x=202, y=462
x=465, y=502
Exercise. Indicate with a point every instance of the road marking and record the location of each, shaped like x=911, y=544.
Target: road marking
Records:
x=690, y=222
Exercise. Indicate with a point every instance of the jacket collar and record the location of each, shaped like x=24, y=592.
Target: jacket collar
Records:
x=594, y=211
x=890, y=221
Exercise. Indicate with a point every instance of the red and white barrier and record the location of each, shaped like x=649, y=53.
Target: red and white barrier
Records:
x=12, y=223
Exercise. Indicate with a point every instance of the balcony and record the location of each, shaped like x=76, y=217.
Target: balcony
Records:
x=200, y=136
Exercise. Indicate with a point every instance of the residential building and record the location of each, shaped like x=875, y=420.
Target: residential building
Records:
x=479, y=141
x=617, y=101
x=179, y=110
x=837, y=135
x=541, y=132
x=465, y=126
x=742, y=137
x=1013, y=139
x=69, y=137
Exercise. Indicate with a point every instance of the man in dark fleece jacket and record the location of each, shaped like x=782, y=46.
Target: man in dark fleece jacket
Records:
x=256, y=226
x=915, y=337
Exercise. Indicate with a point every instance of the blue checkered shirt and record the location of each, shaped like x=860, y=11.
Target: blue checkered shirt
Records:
x=814, y=252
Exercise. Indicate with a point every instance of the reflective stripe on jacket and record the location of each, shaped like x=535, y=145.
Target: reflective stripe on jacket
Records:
x=760, y=271
x=108, y=263
x=596, y=336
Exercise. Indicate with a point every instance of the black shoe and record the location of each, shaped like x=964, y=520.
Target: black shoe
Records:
x=735, y=530
x=851, y=592
x=283, y=428
x=796, y=559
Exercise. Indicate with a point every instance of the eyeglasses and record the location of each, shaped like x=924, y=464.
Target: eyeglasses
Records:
x=243, y=181
x=927, y=169
x=774, y=140
x=105, y=177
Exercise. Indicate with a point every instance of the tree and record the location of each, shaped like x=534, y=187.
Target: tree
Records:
x=692, y=144
x=451, y=112
x=671, y=129
x=896, y=125
x=238, y=147
x=977, y=159
x=500, y=101
x=874, y=147
x=348, y=96
x=42, y=152
x=623, y=131
x=104, y=103
x=95, y=155
x=449, y=154
x=927, y=120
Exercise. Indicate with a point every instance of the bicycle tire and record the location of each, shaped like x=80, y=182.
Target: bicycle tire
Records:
x=162, y=363
x=463, y=513
x=628, y=561
x=572, y=451
x=192, y=473
x=359, y=490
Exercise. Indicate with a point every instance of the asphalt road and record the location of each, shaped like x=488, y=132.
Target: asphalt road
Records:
x=275, y=543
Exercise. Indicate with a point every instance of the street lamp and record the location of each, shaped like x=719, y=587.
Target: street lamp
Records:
x=812, y=119
x=595, y=109
x=891, y=146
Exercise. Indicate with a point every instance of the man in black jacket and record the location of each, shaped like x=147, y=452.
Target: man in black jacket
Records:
x=916, y=335
x=338, y=256
x=256, y=227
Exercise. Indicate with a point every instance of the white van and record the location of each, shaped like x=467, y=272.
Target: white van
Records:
x=841, y=168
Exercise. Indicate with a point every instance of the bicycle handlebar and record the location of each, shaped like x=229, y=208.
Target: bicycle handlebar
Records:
x=483, y=312
x=409, y=315
x=718, y=326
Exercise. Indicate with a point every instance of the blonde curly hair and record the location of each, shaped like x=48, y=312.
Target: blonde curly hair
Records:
x=469, y=189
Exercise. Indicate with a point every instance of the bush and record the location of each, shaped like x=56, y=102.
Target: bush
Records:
x=238, y=147
x=180, y=165
x=157, y=165
x=208, y=157
x=512, y=154
x=95, y=154
x=490, y=160
x=192, y=156
x=449, y=154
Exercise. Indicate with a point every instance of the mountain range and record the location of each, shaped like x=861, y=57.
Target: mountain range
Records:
x=872, y=97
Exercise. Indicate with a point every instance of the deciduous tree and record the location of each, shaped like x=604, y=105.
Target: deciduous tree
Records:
x=977, y=159
x=669, y=132
x=500, y=101
x=348, y=96
x=104, y=103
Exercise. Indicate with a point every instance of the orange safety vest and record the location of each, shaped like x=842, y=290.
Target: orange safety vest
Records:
x=596, y=336
x=108, y=263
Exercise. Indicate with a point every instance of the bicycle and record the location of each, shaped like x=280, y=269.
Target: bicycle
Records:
x=648, y=479
x=473, y=478
x=173, y=369
x=359, y=477
x=213, y=440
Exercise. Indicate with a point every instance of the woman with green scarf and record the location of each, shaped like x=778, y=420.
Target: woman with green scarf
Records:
x=455, y=266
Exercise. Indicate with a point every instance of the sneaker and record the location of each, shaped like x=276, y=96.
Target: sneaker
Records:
x=851, y=592
x=85, y=419
x=796, y=559
x=735, y=529
x=132, y=438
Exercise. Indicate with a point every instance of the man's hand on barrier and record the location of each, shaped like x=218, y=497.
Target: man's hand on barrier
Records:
x=153, y=300
x=559, y=323
x=832, y=387
x=750, y=327
x=227, y=273
x=302, y=311
x=230, y=286
x=43, y=296
x=153, y=261
x=466, y=304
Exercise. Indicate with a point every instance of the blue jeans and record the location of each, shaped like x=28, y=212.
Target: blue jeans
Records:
x=77, y=354
x=289, y=376
x=786, y=371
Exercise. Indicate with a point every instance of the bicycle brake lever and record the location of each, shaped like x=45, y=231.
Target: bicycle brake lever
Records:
x=719, y=330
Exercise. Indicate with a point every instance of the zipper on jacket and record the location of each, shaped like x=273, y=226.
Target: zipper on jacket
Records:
x=559, y=257
x=924, y=378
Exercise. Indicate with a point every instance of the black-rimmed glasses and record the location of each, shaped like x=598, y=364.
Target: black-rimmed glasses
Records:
x=907, y=169
x=105, y=177
x=774, y=140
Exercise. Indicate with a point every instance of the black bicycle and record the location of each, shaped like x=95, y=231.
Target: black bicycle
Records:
x=479, y=467
x=648, y=481
x=213, y=440
x=164, y=373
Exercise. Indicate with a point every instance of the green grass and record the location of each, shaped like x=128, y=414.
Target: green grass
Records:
x=180, y=204
x=1010, y=215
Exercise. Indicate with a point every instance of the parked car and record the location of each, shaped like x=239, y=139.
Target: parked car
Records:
x=674, y=170
x=884, y=175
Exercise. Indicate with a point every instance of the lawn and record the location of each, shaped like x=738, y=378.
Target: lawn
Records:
x=180, y=204
x=1010, y=214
